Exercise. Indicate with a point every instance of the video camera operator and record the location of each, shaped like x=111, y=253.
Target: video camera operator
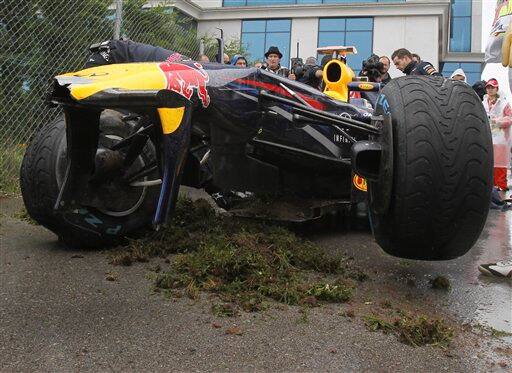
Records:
x=372, y=69
x=309, y=73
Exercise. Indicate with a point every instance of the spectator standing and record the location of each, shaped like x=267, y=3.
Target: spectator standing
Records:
x=239, y=61
x=273, y=57
x=459, y=74
x=312, y=73
x=416, y=58
x=386, y=63
x=500, y=118
x=479, y=88
x=226, y=59
x=204, y=58
x=403, y=61
x=258, y=64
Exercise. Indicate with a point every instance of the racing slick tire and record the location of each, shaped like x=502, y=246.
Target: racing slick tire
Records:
x=43, y=170
x=442, y=169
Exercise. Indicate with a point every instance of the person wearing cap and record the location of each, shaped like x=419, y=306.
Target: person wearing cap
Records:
x=239, y=61
x=459, y=74
x=500, y=118
x=273, y=65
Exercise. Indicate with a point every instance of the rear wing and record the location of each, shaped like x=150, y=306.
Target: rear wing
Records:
x=337, y=51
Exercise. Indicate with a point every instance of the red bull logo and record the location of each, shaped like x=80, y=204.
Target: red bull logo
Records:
x=182, y=79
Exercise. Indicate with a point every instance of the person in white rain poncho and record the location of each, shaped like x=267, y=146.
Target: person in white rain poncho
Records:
x=500, y=118
x=499, y=50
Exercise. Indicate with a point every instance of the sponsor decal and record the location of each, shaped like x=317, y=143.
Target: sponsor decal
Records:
x=430, y=70
x=365, y=86
x=183, y=79
x=360, y=183
x=174, y=57
x=346, y=115
x=383, y=102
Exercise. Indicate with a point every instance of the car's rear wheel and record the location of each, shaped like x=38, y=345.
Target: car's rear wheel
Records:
x=442, y=175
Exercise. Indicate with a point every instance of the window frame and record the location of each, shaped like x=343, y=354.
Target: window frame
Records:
x=265, y=33
x=321, y=2
x=450, y=32
x=345, y=33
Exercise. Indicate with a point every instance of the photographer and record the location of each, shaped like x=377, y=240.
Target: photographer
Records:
x=372, y=69
x=310, y=73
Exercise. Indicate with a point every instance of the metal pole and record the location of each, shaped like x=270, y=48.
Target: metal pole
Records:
x=119, y=19
x=201, y=46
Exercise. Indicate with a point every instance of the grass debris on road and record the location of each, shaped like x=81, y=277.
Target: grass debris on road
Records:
x=414, y=330
x=245, y=263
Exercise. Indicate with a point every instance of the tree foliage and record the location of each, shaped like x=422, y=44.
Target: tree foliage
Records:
x=42, y=38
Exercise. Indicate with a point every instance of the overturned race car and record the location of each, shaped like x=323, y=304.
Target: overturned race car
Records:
x=133, y=132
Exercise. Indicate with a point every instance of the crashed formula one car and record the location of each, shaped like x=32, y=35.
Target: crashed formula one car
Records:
x=132, y=133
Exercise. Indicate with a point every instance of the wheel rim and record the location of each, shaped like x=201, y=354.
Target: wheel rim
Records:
x=113, y=207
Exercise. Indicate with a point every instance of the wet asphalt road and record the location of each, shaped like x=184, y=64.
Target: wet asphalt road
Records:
x=59, y=313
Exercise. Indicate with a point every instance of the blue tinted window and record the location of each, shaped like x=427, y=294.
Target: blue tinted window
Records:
x=473, y=70
x=255, y=45
x=259, y=35
x=460, y=26
x=326, y=39
x=461, y=8
x=269, y=2
x=359, y=24
x=279, y=25
x=363, y=42
x=348, y=31
x=254, y=26
x=234, y=3
x=332, y=24
x=471, y=67
x=460, y=34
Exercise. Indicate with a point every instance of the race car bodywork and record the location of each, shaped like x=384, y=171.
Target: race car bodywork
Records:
x=228, y=129
x=237, y=108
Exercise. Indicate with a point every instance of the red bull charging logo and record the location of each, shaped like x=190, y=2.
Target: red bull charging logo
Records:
x=182, y=79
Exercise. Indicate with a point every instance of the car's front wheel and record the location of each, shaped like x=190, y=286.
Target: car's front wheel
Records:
x=442, y=173
x=120, y=207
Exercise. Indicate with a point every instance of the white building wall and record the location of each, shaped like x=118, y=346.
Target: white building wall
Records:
x=232, y=29
x=208, y=3
x=304, y=31
x=476, y=25
x=419, y=34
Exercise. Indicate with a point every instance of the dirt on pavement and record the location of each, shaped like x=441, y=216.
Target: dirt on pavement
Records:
x=64, y=310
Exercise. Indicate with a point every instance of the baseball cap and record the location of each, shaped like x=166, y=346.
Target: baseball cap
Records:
x=492, y=82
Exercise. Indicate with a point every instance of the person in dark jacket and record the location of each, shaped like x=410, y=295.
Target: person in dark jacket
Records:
x=122, y=51
x=403, y=61
x=479, y=88
x=385, y=78
x=273, y=63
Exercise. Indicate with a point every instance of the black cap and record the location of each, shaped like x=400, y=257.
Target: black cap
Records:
x=273, y=50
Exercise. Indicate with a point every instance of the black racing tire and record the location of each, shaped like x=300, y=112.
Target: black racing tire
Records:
x=442, y=169
x=41, y=175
